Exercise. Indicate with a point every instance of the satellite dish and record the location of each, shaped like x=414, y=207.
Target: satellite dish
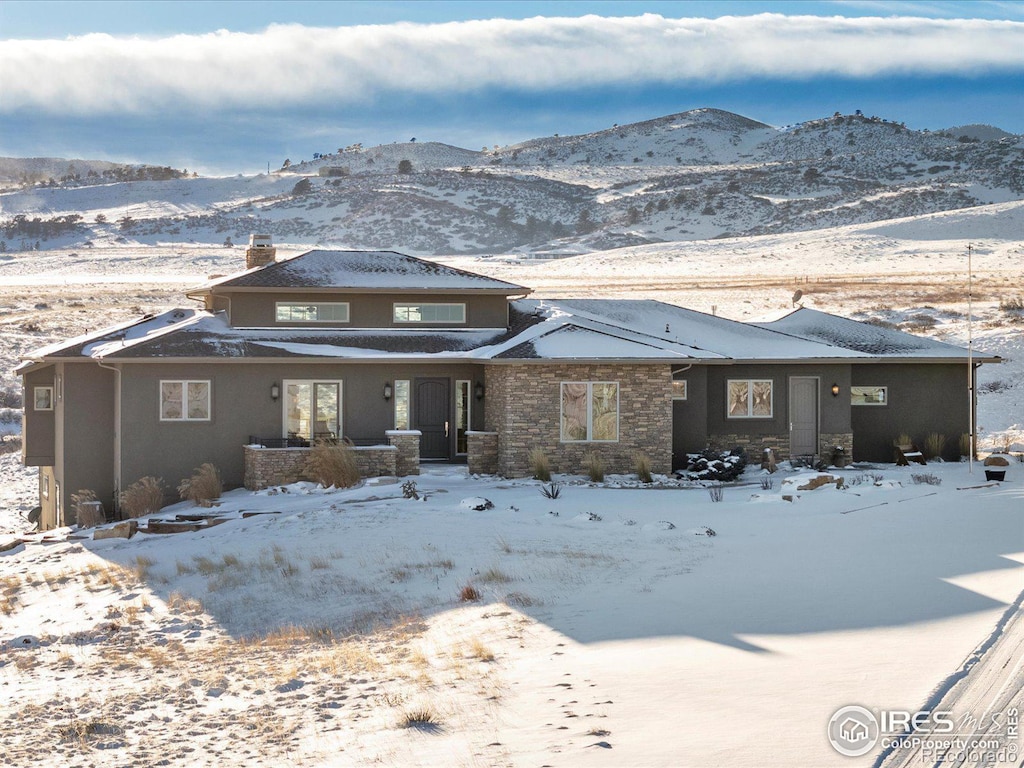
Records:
x=797, y=296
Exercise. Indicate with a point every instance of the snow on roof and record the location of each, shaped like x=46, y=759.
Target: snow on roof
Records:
x=863, y=337
x=708, y=336
x=570, y=329
x=364, y=270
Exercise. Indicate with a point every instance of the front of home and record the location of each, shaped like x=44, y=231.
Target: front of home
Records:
x=430, y=363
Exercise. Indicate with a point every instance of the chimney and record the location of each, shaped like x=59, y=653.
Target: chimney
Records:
x=261, y=251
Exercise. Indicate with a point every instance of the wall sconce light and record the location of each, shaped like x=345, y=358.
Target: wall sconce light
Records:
x=387, y=390
x=835, y=390
x=275, y=391
x=478, y=391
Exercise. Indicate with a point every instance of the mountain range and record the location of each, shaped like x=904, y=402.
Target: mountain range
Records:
x=696, y=175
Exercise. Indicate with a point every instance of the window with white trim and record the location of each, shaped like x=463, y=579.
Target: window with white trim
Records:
x=869, y=395
x=590, y=411
x=421, y=312
x=749, y=399
x=311, y=312
x=402, y=403
x=312, y=409
x=678, y=388
x=185, y=400
x=42, y=398
x=463, y=403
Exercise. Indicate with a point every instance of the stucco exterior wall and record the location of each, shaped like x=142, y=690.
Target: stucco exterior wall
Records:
x=922, y=398
x=523, y=405
x=38, y=448
x=366, y=310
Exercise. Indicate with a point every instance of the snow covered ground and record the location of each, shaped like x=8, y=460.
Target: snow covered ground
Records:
x=313, y=636
x=611, y=628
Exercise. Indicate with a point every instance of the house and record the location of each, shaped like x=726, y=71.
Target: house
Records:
x=415, y=361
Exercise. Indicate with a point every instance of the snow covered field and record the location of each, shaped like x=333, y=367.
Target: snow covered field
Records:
x=316, y=635
x=611, y=629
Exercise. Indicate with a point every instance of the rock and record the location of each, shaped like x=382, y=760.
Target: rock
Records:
x=124, y=530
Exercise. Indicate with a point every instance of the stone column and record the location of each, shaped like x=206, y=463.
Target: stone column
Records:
x=483, y=453
x=407, y=441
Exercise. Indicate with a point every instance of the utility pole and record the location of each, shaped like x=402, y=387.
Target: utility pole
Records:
x=970, y=361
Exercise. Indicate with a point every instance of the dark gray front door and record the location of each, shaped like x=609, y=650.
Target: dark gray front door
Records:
x=803, y=416
x=431, y=417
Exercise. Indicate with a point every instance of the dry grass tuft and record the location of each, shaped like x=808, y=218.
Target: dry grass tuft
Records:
x=422, y=718
x=143, y=497
x=494, y=575
x=142, y=566
x=203, y=487
x=333, y=465
x=642, y=465
x=179, y=603
x=469, y=594
x=593, y=464
x=540, y=465
x=520, y=600
x=480, y=651
x=934, y=445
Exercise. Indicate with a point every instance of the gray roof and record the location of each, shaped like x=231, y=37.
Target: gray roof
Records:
x=364, y=270
x=866, y=338
x=577, y=330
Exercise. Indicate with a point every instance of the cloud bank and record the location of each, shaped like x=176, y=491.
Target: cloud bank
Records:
x=290, y=65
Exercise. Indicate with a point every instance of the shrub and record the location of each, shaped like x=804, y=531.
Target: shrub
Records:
x=332, y=464
x=965, y=444
x=594, y=466
x=767, y=483
x=143, y=497
x=203, y=487
x=88, y=510
x=540, y=465
x=551, y=490
x=928, y=479
x=715, y=465
x=716, y=492
x=934, y=444
x=642, y=464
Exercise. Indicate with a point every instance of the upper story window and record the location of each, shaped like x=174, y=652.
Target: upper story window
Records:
x=185, y=400
x=315, y=312
x=420, y=312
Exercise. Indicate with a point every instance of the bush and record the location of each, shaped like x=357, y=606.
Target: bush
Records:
x=551, y=490
x=332, y=464
x=405, y=166
x=716, y=465
x=642, y=464
x=594, y=466
x=143, y=497
x=540, y=465
x=965, y=444
x=203, y=487
x=928, y=479
x=88, y=510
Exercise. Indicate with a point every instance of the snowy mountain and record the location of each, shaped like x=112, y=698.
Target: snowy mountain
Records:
x=696, y=175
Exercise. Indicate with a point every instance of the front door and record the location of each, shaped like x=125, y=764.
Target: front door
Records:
x=803, y=416
x=431, y=416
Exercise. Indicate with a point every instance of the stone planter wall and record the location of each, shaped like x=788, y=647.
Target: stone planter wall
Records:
x=265, y=467
x=483, y=453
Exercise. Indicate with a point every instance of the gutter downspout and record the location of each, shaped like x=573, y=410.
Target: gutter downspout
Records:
x=117, y=435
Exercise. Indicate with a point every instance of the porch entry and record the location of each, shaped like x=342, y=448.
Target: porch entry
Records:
x=432, y=417
x=803, y=416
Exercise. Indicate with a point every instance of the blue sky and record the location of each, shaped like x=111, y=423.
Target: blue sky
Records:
x=231, y=86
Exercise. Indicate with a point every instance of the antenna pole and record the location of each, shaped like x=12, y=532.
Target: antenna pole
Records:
x=970, y=362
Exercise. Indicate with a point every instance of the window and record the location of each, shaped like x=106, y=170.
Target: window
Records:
x=430, y=313
x=42, y=398
x=401, y=403
x=462, y=406
x=312, y=409
x=319, y=312
x=184, y=401
x=590, y=411
x=678, y=388
x=869, y=395
x=750, y=398
x=46, y=484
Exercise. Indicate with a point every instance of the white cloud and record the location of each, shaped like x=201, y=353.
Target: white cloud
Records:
x=291, y=65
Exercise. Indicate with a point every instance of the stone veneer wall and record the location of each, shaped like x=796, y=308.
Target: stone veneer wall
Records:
x=523, y=405
x=755, y=445
x=482, y=454
x=265, y=467
x=407, y=443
